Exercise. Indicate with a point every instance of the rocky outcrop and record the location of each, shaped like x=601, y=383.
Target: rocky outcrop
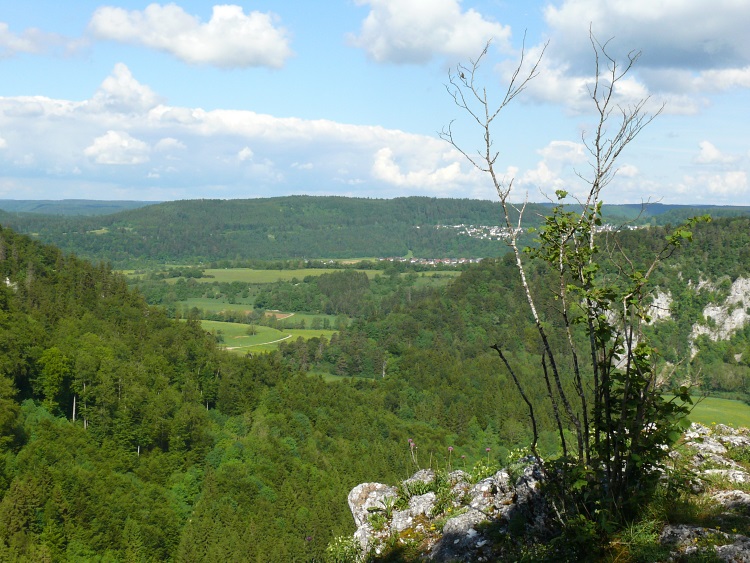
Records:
x=450, y=519
x=660, y=308
x=725, y=319
x=455, y=517
x=709, y=451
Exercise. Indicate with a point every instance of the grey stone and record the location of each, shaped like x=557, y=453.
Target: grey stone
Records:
x=708, y=446
x=731, y=475
x=733, y=500
x=682, y=538
x=737, y=552
x=460, y=540
x=402, y=520
x=422, y=504
x=364, y=535
x=696, y=431
x=366, y=496
x=423, y=475
x=482, y=494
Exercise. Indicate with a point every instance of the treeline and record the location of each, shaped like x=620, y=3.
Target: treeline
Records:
x=298, y=227
x=269, y=229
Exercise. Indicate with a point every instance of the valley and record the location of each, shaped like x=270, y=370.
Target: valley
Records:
x=241, y=399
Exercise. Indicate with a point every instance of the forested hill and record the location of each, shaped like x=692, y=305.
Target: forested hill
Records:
x=69, y=206
x=128, y=436
x=303, y=227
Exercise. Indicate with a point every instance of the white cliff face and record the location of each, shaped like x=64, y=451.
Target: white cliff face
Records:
x=660, y=307
x=728, y=317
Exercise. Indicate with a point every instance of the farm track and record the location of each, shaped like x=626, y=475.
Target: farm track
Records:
x=287, y=337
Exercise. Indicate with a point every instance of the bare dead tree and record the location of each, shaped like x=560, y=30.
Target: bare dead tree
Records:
x=617, y=413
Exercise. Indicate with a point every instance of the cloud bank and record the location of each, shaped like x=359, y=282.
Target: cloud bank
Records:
x=125, y=133
x=681, y=61
x=230, y=39
x=417, y=31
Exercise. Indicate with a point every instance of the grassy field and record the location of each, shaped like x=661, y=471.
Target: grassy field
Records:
x=309, y=317
x=217, y=305
x=247, y=275
x=434, y=279
x=237, y=340
x=712, y=410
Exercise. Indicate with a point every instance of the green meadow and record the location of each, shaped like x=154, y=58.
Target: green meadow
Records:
x=712, y=410
x=248, y=275
x=236, y=339
x=217, y=305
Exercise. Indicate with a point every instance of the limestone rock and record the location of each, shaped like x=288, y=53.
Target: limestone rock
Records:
x=731, y=475
x=732, y=500
x=685, y=540
x=453, y=519
x=727, y=317
x=469, y=509
x=422, y=504
x=366, y=496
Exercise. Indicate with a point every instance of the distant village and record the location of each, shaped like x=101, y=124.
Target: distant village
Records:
x=487, y=232
x=494, y=232
x=432, y=261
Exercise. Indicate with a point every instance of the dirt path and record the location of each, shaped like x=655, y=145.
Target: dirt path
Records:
x=287, y=337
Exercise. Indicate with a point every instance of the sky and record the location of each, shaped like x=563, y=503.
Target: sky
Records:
x=186, y=100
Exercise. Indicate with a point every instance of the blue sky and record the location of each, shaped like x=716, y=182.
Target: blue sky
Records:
x=185, y=100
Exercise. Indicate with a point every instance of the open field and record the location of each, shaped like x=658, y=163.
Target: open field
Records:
x=247, y=275
x=217, y=305
x=721, y=411
x=237, y=340
x=435, y=279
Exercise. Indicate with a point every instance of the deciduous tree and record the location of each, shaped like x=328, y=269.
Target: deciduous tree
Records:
x=597, y=367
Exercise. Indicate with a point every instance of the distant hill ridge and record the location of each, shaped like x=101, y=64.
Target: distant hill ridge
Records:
x=291, y=227
x=69, y=206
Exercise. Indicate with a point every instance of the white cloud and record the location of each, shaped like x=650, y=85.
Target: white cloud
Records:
x=564, y=152
x=681, y=62
x=245, y=154
x=168, y=144
x=564, y=166
x=196, y=149
x=553, y=171
x=117, y=147
x=726, y=187
x=730, y=183
x=385, y=168
x=3, y=143
x=32, y=41
x=190, y=152
x=230, y=39
x=122, y=93
x=560, y=82
x=628, y=171
x=709, y=154
x=418, y=30
x=25, y=160
x=665, y=31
